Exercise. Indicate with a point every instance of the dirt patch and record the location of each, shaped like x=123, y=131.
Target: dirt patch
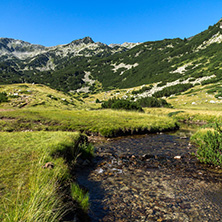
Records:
x=5, y=110
x=7, y=119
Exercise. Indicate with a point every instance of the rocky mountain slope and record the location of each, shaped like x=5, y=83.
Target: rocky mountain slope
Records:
x=85, y=65
x=17, y=49
x=24, y=62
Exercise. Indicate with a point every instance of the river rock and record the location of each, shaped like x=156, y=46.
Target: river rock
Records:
x=177, y=157
x=136, y=186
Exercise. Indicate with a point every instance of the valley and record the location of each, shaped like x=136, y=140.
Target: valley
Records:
x=101, y=127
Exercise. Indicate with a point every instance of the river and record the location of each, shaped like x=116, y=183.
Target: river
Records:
x=152, y=177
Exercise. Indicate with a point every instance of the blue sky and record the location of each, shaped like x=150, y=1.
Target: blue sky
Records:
x=50, y=23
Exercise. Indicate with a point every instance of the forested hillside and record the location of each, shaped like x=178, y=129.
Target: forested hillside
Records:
x=83, y=64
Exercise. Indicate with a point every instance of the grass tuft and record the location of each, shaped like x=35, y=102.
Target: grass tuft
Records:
x=81, y=196
x=209, y=142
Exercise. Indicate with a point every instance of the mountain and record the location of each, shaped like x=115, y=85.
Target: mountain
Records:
x=59, y=66
x=84, y=65
x=17, y=49
x=196, y=58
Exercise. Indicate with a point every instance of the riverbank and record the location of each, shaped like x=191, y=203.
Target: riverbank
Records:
x=35, y=174
x=106, y=123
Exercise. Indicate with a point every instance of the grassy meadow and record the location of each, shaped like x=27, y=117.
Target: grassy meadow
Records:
x=108, y=123
x=43, y=112
x=40, y=125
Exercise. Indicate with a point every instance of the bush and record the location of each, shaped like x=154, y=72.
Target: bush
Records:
x=3, y=97
x=115, y=103
x=52, y=97
x=153, y=102
x=142, y=90
x=209, y=146
x=85, y=96
x=212, y=80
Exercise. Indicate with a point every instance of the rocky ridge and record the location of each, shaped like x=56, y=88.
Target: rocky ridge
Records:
x=12, y=48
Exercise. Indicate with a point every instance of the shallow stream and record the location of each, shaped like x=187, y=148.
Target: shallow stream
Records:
x=151, y=178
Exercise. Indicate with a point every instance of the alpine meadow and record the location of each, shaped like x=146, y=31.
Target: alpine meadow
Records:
x=77, y=109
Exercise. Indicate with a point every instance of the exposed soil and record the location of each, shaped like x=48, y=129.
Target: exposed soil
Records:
x=3, y=110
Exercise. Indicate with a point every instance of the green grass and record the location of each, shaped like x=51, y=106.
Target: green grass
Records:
x=197, y=98
x=81, y=196
x=108, y=123
x=28, y=191
x=189, y=115
x=196, y=116
x=209, y=142
x=28, y=95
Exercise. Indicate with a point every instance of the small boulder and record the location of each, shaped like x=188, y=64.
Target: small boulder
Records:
x=99, y=170
x=177, y=157
x=48, y=165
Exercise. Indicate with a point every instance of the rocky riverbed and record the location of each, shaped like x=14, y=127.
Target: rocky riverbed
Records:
x=151, y=178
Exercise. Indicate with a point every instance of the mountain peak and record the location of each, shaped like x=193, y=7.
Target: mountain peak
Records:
x=86, y=40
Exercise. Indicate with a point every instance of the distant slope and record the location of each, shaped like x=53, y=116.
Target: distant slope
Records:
x=61, y=67
x=167, y=60
x=36, y=95
x=84, y=64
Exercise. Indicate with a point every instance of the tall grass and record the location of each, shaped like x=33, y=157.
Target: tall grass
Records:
x=42, y=203
x=209, y=142
x=81, y=196
x=30, y=192
x=189, y=115
x=107, y=123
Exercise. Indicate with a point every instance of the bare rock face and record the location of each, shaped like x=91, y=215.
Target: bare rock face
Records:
x=13, y=48
x=86, y=40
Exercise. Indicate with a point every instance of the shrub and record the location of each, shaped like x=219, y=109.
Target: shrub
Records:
x=143, y=89
x=212, y=80
x=85, y=96
x=115, y=103
x=209, y=144
x=153, y=102
x=52, y=97
x=3, y=97
x=161, y=83
x=25, y=92
x=97, y=100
